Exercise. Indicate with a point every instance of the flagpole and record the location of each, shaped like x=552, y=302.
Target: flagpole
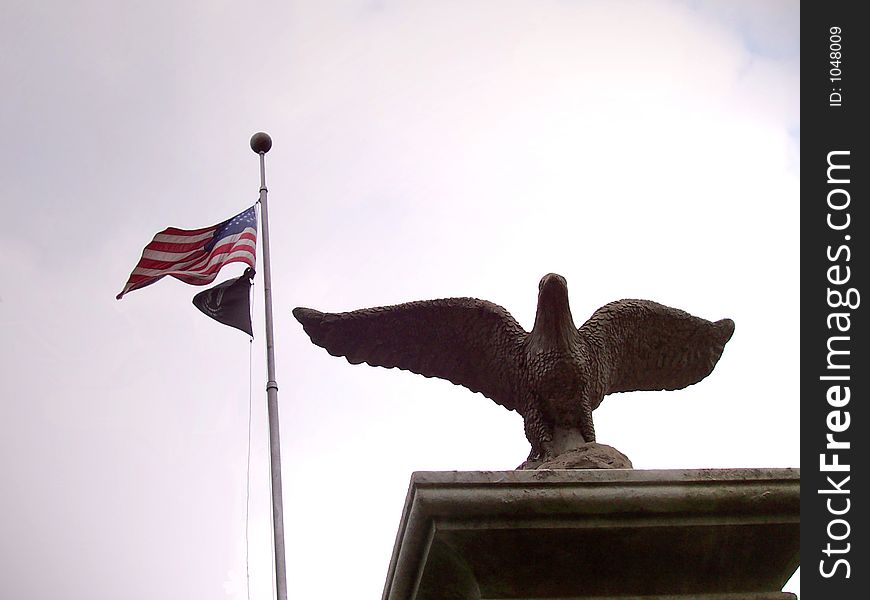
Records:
x=262, y=143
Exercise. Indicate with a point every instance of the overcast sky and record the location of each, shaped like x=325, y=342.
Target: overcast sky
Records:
x=421, y=150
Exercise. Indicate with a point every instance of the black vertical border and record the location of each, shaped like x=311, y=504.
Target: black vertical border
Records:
x=826, y=128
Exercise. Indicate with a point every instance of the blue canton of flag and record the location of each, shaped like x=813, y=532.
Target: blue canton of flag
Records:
x=234, y=226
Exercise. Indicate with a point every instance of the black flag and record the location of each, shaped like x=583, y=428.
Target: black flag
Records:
x=229, y=302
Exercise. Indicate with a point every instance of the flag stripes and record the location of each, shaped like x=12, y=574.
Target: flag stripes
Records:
x=195, y=256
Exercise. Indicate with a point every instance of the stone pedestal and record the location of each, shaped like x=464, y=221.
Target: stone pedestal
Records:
x=725, y=534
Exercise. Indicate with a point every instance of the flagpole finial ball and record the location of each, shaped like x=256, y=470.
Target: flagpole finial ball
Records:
x=261, y=142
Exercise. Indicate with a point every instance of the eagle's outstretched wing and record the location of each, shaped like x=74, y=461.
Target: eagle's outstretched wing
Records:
x=473, y=343
x=643, y=345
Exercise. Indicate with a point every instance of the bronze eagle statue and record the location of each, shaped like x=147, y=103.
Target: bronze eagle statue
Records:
x=554, y=376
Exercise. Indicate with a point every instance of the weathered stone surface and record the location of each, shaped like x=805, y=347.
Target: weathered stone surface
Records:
x=598, y=534
x=591, y=455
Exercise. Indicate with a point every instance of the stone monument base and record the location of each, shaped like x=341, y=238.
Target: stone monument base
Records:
x=729, y=534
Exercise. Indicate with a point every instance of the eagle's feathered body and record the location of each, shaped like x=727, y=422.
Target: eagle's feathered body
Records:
x=554, y=376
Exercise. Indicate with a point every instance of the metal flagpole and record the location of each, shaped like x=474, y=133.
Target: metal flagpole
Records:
x=262, y=143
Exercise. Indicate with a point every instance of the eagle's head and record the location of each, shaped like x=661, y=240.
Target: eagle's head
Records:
x=553, y=285
x=553, y=318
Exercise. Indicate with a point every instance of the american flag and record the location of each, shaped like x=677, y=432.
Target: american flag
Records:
x=195, y=256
